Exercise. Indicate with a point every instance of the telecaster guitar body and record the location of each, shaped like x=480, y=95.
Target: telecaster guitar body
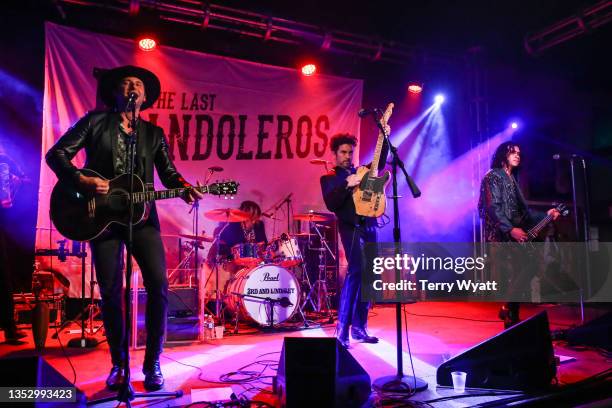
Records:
x=369, y=197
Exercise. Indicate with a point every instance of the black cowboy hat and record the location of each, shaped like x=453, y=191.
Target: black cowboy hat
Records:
x=109, y=79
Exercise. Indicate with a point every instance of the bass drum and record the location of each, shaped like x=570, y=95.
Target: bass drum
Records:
x=265, y=281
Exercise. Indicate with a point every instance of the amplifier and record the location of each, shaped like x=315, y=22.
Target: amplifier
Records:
x=25, y=302
x=183, y=322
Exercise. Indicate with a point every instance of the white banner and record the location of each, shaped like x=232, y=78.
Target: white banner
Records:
x=262, y=124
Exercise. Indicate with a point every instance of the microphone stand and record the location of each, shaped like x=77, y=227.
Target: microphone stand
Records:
x=398, y=383
x=585, y=226
x=126, y=392
x=270, y=302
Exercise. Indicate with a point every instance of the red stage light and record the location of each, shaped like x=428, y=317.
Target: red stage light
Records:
x=147, y=44
x=415, y=88
x=309, y=69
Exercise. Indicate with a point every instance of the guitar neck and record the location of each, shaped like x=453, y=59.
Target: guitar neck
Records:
x=377, y=151
x=145, y=196
x=533, y=232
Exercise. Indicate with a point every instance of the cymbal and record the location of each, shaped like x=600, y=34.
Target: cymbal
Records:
x=310, y=217
x=201, y=238
x=302, y=234
x=227, y=215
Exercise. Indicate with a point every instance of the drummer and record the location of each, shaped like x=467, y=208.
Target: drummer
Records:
x=251, y=230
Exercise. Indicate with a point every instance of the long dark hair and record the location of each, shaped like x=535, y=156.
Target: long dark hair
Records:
x=501, y=155
x=251, y=206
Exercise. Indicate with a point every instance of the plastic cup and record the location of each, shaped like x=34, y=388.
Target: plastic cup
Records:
x=459, y=381
x=219, y=332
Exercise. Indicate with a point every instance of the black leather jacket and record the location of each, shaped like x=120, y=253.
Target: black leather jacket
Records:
x=502, y=206
x=97, y=133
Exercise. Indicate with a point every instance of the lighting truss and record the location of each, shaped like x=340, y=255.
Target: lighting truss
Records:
x=209, y=16
x=582, y=23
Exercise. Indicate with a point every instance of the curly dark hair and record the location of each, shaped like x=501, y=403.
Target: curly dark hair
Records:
x=501, y=154
x=340, y=139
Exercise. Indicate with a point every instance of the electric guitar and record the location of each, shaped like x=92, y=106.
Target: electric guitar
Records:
x=369, y=195
x=83, y=216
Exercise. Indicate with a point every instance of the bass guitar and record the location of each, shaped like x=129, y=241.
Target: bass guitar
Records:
x=534, y=231
x=83, y=216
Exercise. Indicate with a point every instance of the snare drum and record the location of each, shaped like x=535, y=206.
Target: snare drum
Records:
x=248, y=254
x=285, y=251
x=264, y=281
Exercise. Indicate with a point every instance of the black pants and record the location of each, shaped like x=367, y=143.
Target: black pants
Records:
x=353, y=310
x=148, y=251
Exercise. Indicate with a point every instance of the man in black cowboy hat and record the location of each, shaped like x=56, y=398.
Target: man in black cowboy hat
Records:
x=103, y=135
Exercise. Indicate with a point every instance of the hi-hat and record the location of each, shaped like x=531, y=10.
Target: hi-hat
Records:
x=227, y=215
x=200, y=238
x=310, y=217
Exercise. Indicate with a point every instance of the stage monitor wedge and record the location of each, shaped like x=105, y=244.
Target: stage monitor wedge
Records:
x=319, y=372
x=519, y=358
x=34, y=371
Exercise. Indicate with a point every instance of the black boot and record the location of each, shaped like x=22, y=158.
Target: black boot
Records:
x=361, y=334
x=342, y=334
x=115, y=377
x=154, y=379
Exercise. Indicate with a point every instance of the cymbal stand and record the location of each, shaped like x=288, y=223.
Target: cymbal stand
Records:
x=187, y=259
x=320, y=285
x=217, y=243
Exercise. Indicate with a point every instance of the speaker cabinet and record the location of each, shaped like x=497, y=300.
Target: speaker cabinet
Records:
x=183, y=323
x=596, y=333
x=520, y=358
x=34, y=371
x=319, y=372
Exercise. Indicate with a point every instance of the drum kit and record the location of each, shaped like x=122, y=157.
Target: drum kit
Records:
x=263, y=283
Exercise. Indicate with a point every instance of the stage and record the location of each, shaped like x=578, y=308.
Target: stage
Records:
x=437, y=331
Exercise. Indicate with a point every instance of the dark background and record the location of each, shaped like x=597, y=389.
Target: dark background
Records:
x=561, y=96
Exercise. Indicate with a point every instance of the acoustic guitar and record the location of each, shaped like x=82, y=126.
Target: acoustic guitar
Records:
x=83, y=216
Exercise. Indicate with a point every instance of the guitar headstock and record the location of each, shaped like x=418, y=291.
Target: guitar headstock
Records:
x=387, y=114
x=562, y=209
x=225, y=188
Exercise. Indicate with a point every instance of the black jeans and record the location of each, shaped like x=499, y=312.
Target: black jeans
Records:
x=148, y=251
x=352, y=310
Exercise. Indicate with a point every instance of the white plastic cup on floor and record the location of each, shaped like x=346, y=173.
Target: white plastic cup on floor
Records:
x=459, y=381
x=219, y=332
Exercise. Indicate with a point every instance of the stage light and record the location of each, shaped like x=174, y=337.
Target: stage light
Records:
x=415, y=88
x=309, y=69
x=439, y=99
x=147, y=44
x=514, y=125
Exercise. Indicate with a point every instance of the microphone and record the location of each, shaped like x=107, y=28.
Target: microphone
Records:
x=132, y=96
x=365, y=112
x=285, y=302
x=215, y=169
x=318, y=161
